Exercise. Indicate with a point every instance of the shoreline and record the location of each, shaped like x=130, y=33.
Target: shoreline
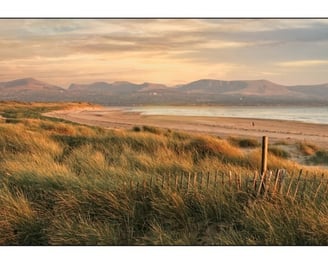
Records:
x=276, y=130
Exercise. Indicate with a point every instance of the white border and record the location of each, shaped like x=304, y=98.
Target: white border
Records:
x=163, y=8
x=162, y=255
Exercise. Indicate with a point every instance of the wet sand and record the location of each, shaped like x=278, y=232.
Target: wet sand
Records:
x=276, y=130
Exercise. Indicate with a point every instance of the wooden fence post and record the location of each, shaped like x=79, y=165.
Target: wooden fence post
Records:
x=176, y=182
x=289, y=185
x=276, y=182
x=215, y=178
x=188, y=183
x=264, y=161
x=236, y=181
x=267, y=184
x=201, y=180
x=151, y=181
x=261, y=186
x=230, y=178
x=144, y=185
x=195, y=179
x=303, y=189
x=297, y=184
x=155, y=180
x=246, y=182
x=254, y=180
x=181, y=180
x=326, y=190
x=314, y=178
x=131, y=184
x=163, y=180
x=282, y=182
x=318, y=188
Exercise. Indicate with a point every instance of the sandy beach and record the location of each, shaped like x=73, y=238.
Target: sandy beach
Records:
x=276, y=130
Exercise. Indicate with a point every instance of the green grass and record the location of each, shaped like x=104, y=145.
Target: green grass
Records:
x=68, y=184
x=319, y=157
x=244, y=142
x=279, y=152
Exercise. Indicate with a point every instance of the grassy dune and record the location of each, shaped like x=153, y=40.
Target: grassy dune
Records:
x=66, y=184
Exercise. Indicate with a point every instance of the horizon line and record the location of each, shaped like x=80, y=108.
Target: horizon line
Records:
x=146, y=82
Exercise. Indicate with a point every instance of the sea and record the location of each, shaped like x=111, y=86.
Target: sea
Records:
x=316, y=115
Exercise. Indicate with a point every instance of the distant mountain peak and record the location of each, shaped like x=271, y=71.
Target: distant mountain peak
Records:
x=203, y=91
x=95, y=85
x=22, y=81
x=28, y=84
x=72, y=86
x=118, y=83
x=29, y=79
x=148, y=86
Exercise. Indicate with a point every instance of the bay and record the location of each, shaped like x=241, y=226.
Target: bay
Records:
x=317, y=115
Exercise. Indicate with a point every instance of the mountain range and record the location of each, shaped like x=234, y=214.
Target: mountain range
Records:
x=205, y=91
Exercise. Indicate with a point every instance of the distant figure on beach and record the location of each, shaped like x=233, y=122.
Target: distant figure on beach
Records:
x=253, y=124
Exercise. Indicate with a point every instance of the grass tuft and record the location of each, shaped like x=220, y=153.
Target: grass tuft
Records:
x=279, y=152
x=307, y=148
x=244, y=142
x=320, y=157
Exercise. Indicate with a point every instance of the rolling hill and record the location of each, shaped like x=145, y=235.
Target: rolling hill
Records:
x=204, y=91
x=29, y=89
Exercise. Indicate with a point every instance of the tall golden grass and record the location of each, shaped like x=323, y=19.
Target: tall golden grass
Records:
x=68, y=184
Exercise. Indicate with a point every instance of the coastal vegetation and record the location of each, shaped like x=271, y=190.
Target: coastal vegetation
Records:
x=63, y=183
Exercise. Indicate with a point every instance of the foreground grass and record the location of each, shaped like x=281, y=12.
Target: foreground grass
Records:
x=68, y=184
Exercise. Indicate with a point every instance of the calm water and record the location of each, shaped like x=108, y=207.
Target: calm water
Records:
x=304, y=114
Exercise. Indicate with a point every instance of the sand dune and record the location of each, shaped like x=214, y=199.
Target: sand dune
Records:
x=117, y=118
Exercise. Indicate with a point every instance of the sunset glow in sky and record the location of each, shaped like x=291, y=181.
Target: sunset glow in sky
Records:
x=168, y=51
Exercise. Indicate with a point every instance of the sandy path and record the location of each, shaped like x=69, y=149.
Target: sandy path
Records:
x=289, y=131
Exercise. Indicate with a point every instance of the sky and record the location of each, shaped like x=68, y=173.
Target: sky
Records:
x=168, y=51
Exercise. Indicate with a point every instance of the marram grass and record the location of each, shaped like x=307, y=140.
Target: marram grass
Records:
x=69, y=184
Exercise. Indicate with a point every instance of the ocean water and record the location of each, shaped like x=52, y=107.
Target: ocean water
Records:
x=318, y=115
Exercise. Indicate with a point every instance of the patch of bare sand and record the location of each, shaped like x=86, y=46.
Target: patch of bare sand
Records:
x=276, y=130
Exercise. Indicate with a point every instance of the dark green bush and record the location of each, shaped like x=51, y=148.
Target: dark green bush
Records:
x=136, y=129
x=153, y=130
x=320, y=157
x=244, y=142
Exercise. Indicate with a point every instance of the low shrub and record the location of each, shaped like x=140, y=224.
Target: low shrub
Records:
x=320, y=157
x=244, y=142
x=153, y=130
x=136, y=129
x=278, y=152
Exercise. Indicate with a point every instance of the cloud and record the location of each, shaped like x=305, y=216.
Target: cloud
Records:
x=261, y=25
x=120, y=35
x=303, y=63
x=160, y=50
x=272, y=30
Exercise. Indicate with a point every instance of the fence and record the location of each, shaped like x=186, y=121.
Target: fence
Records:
x=295, y=186
x=264, y=184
